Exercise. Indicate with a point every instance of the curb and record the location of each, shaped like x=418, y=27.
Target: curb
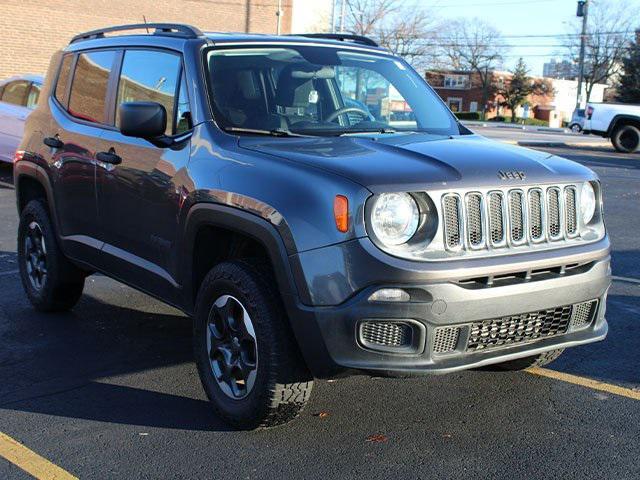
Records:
x=542, y=143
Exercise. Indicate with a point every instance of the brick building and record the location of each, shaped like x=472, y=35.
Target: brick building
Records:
x=30, y=31
x=462, y=92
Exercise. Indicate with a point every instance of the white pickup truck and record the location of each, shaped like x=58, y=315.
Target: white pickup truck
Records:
x=620, y=123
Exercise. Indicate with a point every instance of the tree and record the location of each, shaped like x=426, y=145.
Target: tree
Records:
x=404, y=31
x=609, y=30
x=628, y=90
x=477, y=47
x=517, y=90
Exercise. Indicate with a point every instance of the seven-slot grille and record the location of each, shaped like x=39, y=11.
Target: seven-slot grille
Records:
x=509, y=218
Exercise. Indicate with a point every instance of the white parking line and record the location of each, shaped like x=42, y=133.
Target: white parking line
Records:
x=626, y=279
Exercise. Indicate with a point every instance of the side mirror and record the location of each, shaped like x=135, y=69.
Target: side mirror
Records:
x=146, y=120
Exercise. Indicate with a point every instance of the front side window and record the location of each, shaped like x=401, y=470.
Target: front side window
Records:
x=15, y=92
x=88, y=98
x=149, y=76
x=321, y=91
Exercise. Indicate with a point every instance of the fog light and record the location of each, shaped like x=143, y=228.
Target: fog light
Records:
x=390, y=295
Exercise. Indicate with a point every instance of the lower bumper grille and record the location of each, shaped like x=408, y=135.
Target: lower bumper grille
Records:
x=527, y=327
x=385, y=334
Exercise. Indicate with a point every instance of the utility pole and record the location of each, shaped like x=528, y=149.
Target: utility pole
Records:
x=583, y=10
x=333, y=16
x=343, y=6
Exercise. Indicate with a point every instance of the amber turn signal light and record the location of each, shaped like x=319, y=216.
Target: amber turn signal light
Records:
x=341, y=213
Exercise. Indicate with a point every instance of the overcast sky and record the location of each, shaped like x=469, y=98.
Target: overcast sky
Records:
x=521, y=17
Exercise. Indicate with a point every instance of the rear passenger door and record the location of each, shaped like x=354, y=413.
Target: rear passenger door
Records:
x=139, y=198
x=79, y=117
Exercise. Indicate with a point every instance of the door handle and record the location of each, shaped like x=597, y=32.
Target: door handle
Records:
x=109, y=157
x=53, y=142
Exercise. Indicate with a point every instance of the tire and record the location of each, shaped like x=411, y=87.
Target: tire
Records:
x=52, y=283
x=626, y=138
x=527, y=362
x=278, y=383
x=576, y=128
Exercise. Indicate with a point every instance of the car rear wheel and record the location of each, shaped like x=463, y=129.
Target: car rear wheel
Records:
x=527, y=362
x=626, y=139
x=52, y=283
x=249, y=364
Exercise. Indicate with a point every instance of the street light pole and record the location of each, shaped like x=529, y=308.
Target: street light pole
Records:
x=279, y=15
x=583, y=11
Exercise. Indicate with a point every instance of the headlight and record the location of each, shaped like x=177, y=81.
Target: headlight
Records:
x=587, y=202
x=395, y=218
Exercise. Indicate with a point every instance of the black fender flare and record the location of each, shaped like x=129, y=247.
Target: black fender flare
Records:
x=234, y=219
x=621, y=118
x=26, y=169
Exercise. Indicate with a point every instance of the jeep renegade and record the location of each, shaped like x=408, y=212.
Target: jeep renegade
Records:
x=311, y=203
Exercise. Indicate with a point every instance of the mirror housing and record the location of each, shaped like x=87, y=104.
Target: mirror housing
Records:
x=146, y=120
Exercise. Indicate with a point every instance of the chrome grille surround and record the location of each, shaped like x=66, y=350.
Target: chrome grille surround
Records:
x=533, y=216
x=475, y=220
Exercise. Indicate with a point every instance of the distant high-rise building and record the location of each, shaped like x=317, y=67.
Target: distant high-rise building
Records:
x=560, y=69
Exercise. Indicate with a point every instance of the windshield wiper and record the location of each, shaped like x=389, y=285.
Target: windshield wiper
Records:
x=370, y=130
x=276, y=132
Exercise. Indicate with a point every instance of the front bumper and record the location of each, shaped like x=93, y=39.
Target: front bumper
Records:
x=330, y=341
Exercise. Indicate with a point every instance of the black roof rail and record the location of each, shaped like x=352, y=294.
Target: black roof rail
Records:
x=169, y=29
x=343, y=37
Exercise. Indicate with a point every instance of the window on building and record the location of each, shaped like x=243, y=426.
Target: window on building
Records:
x=456, y=81
x=33, y=96
x=15, y=92
x=87, y=100
x=63, y=80
x=455, y=104
x=473, y=107
x=149, y=76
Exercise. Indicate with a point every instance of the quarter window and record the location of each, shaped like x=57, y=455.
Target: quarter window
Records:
x=149, y=76
x=63, y=80
x=15, y=92
x=183, y=111
x=87, y=100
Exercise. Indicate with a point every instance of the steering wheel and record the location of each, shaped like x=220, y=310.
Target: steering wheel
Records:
x=343, y=110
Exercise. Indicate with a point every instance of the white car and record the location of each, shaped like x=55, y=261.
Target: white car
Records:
x=620, y=123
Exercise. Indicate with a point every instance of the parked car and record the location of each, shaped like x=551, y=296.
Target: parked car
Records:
x=576, y=124
x=18, y=97
x=618, y=122
x=228, y=175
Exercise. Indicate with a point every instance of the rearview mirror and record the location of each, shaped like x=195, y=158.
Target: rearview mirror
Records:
x=146, y=120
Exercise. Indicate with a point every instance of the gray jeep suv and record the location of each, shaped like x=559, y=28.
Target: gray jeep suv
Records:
x=311, y=203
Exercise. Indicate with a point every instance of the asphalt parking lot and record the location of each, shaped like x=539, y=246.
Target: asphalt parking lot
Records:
x=109, y=390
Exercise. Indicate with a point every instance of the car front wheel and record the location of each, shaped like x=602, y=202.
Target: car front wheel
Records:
x=248, y=362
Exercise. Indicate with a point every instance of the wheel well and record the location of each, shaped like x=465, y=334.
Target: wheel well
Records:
x=620, y=122
x=29, y=189
x=214, y=245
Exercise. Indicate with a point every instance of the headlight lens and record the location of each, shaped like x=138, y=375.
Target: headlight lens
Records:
x=587, y=202
x=395, y=218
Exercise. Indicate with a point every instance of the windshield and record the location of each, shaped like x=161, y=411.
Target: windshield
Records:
x=312, y=90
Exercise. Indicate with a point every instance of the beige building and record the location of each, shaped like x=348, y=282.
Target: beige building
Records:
x=30, y=31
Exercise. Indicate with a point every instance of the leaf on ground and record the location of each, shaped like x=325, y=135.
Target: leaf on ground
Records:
x=378, y=438
x=322, y=414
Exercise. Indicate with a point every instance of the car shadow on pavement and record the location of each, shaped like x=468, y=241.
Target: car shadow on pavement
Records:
x=101, y=362
x=6, y=176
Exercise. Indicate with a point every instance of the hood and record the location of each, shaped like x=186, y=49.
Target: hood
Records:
x=408, y=162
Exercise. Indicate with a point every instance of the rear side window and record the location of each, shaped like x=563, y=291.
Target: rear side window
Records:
x=63, y=80
x=34, y=95
x=149, y=76
x=88, y=97
x=15, y=92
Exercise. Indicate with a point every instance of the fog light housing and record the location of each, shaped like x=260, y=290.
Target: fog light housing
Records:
x=390, y=295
